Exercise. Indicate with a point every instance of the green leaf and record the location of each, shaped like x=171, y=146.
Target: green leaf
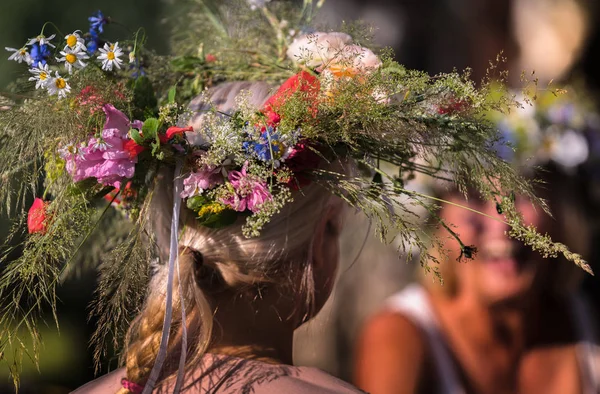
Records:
x=172, y=92
x=150, y=128
x=186, y=63
x=196, y=202
x=222, y=219
x=135, y=135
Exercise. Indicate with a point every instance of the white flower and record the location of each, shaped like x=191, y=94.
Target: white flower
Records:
x=42, y=40
x=19, y=55
x=59, y=86
x=70, y=150
x=317, y=49
x=73, y=57
x=131, y=57
x=570, y=149
x=110, y=56
x=100, y=144
x=41, y=75
x=254, y=4
x=74, y=41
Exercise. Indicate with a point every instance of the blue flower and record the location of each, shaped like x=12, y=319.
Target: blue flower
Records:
x=39, y=54
x=94, y=42
x=267, y=148
x=97, y=22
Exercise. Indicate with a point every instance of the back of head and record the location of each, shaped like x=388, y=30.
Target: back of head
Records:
x=222, y=262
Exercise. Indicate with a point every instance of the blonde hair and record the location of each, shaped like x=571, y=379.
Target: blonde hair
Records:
x=213, y=260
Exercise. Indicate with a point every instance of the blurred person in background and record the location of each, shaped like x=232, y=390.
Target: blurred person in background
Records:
x=436, y=36
x=505, y=322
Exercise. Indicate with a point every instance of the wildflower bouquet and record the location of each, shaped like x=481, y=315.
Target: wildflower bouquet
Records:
x=85, y=126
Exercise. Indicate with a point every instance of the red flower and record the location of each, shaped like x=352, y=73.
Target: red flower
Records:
x=173, y=131
x=36, y=217
x=210, y=58
x=304, y=82
x=133, y=148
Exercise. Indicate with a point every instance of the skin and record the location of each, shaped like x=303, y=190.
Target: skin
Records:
x=507, y=334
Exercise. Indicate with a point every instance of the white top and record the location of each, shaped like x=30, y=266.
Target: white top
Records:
x=413, y=303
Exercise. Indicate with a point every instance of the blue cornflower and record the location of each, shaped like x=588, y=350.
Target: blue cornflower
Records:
x=97, y=22
x=93, y=42
x=39, y=54
x=265, y=151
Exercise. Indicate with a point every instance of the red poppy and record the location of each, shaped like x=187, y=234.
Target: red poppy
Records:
x=36, y=217
x=173, y=131
x=133, y=148
x=210, y=58
x=304, y=82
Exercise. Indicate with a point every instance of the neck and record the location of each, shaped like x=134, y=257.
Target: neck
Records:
x=254, y=328
x=502, y=324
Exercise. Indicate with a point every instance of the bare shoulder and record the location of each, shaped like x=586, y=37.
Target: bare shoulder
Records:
x=391, y=354
x=393, y=331
x=308, y=381
x=109, y=383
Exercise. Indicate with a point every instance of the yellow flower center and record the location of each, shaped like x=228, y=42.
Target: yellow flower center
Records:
x=72, y=40
x=60, y=83
x=214, y=209
x=43, y=76
x=71, y=58
x=110, y=55
x=23, y=52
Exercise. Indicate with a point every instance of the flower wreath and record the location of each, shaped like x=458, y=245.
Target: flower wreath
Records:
x=89, y=127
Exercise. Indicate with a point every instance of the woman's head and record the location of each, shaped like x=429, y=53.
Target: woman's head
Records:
x=503, y=269
x=295, y=257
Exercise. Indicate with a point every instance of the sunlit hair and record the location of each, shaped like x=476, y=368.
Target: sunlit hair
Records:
x=222, y=261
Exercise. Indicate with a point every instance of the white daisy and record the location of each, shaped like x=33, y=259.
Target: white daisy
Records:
x=70, y=150
x=19, y=55
x=41, y=39
x=74, y=40
x=41, y=75
x=100, y=144
x=110, y=56
x=73, y=58
x=59, y=86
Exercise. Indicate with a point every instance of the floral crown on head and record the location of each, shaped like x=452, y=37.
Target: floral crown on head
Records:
x=106, y=131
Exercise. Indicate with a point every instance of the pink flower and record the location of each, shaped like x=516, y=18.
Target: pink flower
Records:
x=197, y=182
x=248, y=192
x=36, y=217
x=111, y=162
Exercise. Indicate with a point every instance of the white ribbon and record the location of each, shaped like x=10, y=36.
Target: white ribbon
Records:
x=173, y=264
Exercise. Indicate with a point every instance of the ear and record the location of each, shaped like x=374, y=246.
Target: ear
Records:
x=326, y=249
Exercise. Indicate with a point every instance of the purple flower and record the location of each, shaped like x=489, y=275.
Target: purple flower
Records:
x=197, y=182
x=110, y=165
x=248, y=191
